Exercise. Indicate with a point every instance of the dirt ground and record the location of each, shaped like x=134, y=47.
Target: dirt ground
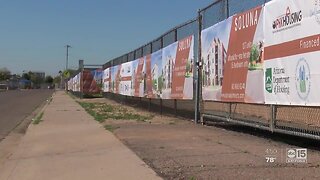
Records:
x=178, y=149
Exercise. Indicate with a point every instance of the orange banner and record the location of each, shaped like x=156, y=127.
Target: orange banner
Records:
x=138, y=77
x=148, y=76
x=179, y=71
x=298, y=46
x=239, y=55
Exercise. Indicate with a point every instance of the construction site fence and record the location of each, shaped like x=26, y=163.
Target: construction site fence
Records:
x=294, y=120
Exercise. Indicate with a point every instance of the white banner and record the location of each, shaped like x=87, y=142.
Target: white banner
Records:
x=126, y=79
x=292, y=76
x=106, y=80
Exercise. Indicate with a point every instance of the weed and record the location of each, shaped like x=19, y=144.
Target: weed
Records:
x=37, y=119
x=102, y=111
x=50, y=100
x=111, y=128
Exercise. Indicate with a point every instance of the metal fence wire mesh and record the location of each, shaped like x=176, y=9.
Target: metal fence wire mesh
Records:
x=301, y=121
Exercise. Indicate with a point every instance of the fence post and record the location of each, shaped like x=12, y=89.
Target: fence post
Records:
x=81, y=84
x=230, y=110
x=175, y=107
x=161, y=106
x=273, y=117
x=198, y=92
x=227, y=9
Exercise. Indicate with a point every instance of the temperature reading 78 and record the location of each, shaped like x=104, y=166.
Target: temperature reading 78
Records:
x=271, y=159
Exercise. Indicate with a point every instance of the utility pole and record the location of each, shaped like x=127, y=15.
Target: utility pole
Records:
x=67, y=56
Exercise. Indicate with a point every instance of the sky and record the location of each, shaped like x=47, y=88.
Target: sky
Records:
x=34, y=33
x=220, y=30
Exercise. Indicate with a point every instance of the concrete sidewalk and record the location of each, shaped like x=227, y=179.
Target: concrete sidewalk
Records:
x=70, y=144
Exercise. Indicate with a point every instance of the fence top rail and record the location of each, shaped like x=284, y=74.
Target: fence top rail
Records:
x=210, y=5
x=156, y=39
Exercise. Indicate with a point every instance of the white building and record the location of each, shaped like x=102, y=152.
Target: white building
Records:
x=213, y=64
x=155, y=75
x=167, y=72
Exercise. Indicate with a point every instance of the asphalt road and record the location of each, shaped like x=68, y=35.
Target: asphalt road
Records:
x=16, y=105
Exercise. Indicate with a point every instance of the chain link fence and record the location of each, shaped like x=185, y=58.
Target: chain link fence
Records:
x=294, y=120
x=185, y=108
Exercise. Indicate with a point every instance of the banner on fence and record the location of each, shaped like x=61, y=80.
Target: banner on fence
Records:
x=167, y=73
x=292, y=76
x=92, y=81
x=177, y=70
x=156, y=74
x=125, y=78
x=106, y=80
x=138, y=76
x=115, y=79
x=232, y=55
x=76, y=80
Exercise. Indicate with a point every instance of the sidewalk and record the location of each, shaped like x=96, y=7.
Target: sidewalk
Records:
x=70, y=144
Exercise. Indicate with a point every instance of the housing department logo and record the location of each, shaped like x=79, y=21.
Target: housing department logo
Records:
x=303, y=79
x=316, y=11
x=268, y=80
x=287, y=20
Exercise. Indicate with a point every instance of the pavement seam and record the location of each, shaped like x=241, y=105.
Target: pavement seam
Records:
x=58, y=154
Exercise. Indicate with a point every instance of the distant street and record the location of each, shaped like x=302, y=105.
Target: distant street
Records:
x=16, y=105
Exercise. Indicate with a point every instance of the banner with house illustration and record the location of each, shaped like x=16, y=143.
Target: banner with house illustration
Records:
x=177, y=70
x=76, y=80
x=126, y=79
x=168, y=61
x=74, y=83
x=115, y=78
x=156, y=74
x=106, y=80
x=232, y=56
x=138, y=77
x=92, y=81
x=182, y=75
x=292, y=51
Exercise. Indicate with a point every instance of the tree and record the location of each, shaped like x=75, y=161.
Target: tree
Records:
x=26, y=76
x=57, y=79
x=49, y=79
x=4, y=74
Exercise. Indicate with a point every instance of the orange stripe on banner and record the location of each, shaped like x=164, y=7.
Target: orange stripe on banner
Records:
x=126, y=78
x=290, y=48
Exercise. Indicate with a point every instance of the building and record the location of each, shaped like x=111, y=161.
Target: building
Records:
x=167, y=72
x=213, y=64
x=155, y=75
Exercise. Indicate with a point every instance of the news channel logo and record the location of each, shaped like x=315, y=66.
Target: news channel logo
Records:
x=296, y=155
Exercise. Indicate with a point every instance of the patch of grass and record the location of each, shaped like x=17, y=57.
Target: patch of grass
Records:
x=102, y=111
x=50, y=100
x=89, y=108
x=161, y=147
x=37, y=119
x=71, y=95
x=172, y=123
x=111, y=128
